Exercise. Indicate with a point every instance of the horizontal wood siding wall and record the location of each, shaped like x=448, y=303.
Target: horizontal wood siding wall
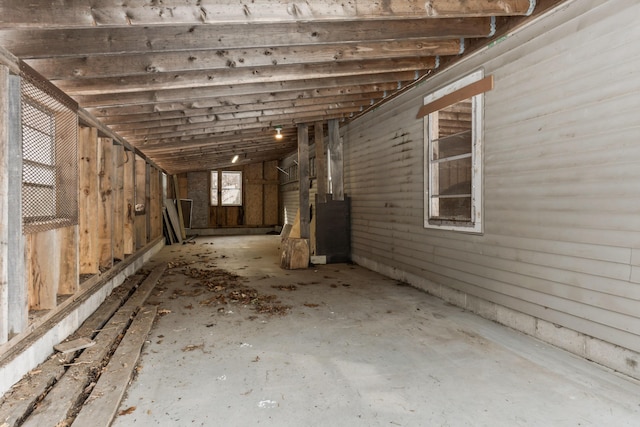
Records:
x=289, y=196
x=290, y=205
x=561, y=177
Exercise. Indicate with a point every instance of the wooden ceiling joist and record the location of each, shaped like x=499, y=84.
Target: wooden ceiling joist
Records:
x=243, y=123
x=228, y=113
x=234, y=77
x=214, y=140
x=82, y=14
x=184, y=112
x=42, y=43
x=189, y=83
x=84, y=67
x=257, y=98
x=344, y=85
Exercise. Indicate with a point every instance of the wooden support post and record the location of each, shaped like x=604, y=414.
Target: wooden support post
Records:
x=18, y=296
x=303, y=171
x=118, y=202
x=155, y=201
x=141, y=205
x=4, y=203
x=129, y=202
x=321, y=164
x=105, y=208
x=336, y=168
x=147, y=200
x=88, y=200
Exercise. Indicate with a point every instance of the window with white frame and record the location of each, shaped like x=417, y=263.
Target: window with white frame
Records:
x=453, y=158
x=226, y=188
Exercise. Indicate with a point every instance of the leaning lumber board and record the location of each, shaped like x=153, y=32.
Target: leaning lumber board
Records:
x=176, y=187
x=74, y=345
x=167, y=227
x=58, y=404
x=20, y=401
x=173, y=218
x=101, y=406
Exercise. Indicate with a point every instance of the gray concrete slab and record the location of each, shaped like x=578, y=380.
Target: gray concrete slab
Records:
x=355, y=349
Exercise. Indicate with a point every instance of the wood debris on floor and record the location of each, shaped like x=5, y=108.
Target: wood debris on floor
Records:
x=227, y=289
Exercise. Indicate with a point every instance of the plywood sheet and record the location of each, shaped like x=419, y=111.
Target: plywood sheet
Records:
x=129, y=203
x=118, y=202
x=198, y=190
x=88, y=199
x=105, y=202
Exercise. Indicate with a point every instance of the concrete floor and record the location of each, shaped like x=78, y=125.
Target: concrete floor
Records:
x=371, y=353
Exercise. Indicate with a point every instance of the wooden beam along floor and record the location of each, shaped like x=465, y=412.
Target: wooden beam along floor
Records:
x=52, y=394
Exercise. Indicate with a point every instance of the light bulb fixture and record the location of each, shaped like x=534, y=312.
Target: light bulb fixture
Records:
x=235, y=158
x=278, y=135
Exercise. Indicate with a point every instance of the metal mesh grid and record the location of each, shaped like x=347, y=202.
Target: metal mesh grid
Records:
x=49, y=157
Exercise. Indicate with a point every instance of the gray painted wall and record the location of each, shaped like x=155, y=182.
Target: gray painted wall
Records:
x=561, y=239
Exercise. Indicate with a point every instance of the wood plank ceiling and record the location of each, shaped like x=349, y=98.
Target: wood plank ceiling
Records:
x=193, y=82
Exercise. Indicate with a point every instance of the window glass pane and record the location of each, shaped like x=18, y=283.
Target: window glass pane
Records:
x=214, y=188
x=454, y=208
x=452, y=145
x=451, y=162
x=231, y=188
x=455, y=119
x=454, y=177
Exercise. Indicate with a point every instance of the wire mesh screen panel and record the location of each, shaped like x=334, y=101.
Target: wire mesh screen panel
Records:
x=49, y=162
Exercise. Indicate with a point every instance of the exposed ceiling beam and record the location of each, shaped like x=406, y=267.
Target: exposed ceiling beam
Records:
x=244, y=100
x=341, y=84
x=230, y=77
x=41, y=43
x=244, y=123
x=170, y=145
x=182, y=111
x=83, y=14
x=193, y=82
x=139, y=121
x=82, y=67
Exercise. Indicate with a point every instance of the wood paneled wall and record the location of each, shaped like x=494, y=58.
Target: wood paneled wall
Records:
x=108, y=229
x=259, y=199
